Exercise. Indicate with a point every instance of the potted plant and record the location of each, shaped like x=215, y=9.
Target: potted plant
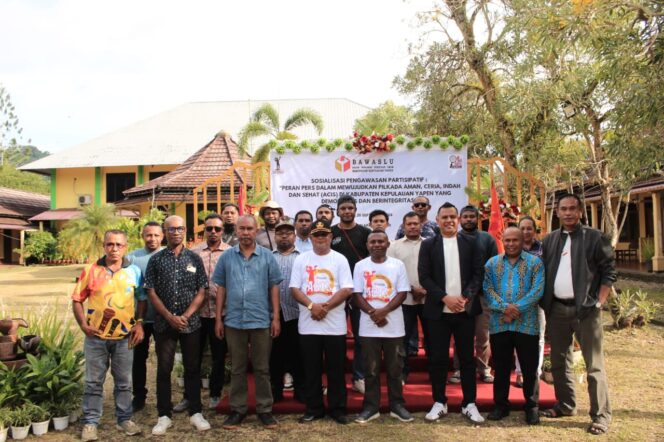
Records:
x=546, y=370
x=4, y=423
x=60, y=412
x=647, y=251
x=20, y=422
x=205, y=376
x=40, y=418
x=179, y=374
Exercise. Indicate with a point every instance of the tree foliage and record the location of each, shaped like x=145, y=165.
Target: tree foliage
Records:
x=387, y=118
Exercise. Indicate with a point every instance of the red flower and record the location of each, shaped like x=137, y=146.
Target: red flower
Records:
x=390, y=137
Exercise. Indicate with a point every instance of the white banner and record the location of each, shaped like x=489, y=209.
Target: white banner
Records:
x=387, y=181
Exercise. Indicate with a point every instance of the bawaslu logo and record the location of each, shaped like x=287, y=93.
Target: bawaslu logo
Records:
x=342, y=164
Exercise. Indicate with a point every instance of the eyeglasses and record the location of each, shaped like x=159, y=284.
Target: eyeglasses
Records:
x=178, y=229
x=117, y=245
x=420, y=205
x=215, y=228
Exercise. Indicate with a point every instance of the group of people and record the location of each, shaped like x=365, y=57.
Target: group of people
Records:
x=282, y=294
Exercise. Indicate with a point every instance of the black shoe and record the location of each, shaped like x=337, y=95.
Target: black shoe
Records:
x=498, y=414
x=267, y=420
x=399, y=411
x=308, y=417
x=367, y=415
x=532, y=416
x=233, y=420
x=137, y=404
x=341, y=418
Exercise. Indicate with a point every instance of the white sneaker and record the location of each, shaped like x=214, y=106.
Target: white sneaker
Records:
x=358, y=386
x=198, y=421
x=163, y=424
x=214, y=401
x=288, y=381
x=181, y=406
x=437, y=411
x=472, y=413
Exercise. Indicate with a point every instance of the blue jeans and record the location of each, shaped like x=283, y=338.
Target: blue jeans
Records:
x=99, y=354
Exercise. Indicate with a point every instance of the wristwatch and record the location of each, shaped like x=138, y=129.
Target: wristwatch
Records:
x=310, y=306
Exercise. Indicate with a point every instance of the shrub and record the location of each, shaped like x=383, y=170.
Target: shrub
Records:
x=632, y=309
x=20, y=417
x=40, y=245
x=37, y=413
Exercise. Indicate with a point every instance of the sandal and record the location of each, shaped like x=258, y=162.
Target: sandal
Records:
x=555, y=413
x=597, y=428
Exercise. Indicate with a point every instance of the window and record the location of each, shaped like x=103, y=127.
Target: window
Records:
x=116, y=183
x=153, y=175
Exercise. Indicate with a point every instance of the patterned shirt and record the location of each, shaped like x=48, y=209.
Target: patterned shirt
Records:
x=247, y=282
x=210, y=258
x=111, y=297
x=522, y=284
x=289, y=306
x=429, y=230
x=176, y=280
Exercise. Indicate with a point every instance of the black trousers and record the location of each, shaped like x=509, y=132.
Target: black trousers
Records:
x=393, y=353
x=165, y=344
x=218, y=349
x=138, y=368
x=410, y=315
x=527, y=350
x=314, y=349
x=286, y=357
x=462, y=327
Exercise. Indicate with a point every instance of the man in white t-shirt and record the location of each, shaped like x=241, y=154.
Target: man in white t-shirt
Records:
x=381, y=284
x=321, y=282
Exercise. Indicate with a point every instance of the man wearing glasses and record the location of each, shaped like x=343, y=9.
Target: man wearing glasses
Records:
x=421, y=207
x=176, y=283
x=210, y=250
x=112, y=287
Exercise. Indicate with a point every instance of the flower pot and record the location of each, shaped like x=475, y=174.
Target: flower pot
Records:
x=548, y=377
x=205, y=383
x=60, y=423
x=180, y=382
x=20, y=433
x=74, y=415
x=39, y=428
x=3, y=434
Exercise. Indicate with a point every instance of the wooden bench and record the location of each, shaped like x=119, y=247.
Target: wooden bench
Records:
x=624, y=250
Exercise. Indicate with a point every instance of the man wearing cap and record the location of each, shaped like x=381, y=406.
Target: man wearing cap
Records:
x=271, y=213
x=285, y=356
x=321, y=282
x=247, y=278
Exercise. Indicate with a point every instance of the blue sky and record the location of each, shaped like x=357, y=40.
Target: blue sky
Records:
x=78, y=69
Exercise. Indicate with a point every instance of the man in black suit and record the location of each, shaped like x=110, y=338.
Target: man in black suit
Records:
x=450, y=270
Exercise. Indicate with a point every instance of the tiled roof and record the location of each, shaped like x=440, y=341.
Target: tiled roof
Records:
x=210, y=161
x=25, y=204
x=172, y=136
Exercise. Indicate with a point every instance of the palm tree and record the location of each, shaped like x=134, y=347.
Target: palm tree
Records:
x=265, y=122
x=82, y=238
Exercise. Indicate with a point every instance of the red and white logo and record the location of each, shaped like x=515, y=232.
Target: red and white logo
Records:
x=342, y=164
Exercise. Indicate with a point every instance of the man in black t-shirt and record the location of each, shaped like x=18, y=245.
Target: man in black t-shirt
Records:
x=350, y=239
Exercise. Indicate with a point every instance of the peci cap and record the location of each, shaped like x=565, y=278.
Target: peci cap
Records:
x=321, y=226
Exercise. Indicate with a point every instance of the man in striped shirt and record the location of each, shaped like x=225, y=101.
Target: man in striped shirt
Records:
x=513, y=286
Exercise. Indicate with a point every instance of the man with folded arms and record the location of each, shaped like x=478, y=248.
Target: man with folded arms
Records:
x=513, y=286
x=381, y=284
x=321, y=282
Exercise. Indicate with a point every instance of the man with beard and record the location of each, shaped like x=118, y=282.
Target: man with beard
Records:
x=325, y=212
x=303, y=220
x=469, y=217
x=350, y=239
x=229, y=214
x=271, y=213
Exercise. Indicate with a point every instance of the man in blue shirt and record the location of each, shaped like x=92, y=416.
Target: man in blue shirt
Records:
x=513, y=286
x=248, y=280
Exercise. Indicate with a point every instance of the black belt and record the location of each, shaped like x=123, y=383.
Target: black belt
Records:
x=567, y=302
